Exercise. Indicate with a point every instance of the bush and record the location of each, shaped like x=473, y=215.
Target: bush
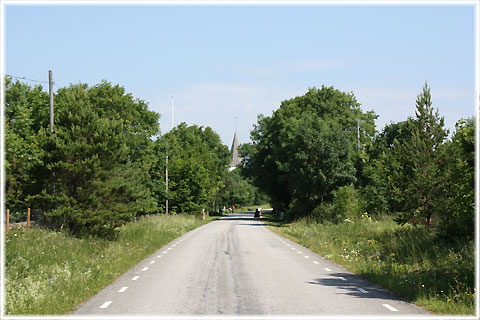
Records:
x=346, y=204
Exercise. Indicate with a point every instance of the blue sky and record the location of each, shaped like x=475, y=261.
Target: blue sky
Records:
x=225, y=61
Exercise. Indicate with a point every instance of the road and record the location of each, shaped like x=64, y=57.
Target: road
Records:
x=237, y=266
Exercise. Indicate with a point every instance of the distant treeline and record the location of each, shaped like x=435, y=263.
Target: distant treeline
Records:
x=105, y=161
x=309, y=158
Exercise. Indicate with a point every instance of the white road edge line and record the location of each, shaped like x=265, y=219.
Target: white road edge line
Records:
x=164, y=252
x=152, y=262
x=326, y=269
x=307, y=257
x=315, y=262
x=362, y=290
x=299, y=251
x=105, y=305
x=123, y=289
x=135, y=278
x=158, y=257
x=389, y=307
x=145, y=269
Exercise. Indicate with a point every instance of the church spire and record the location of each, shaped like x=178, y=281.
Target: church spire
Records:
x=235, y=160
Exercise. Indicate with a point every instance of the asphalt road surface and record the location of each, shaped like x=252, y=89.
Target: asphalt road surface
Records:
x=236, y=266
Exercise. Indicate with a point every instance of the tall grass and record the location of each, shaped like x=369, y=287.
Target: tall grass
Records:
x=413, y=262
x=48, y=272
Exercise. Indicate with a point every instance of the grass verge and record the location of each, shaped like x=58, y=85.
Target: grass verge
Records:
x=49, y=272
x=412, y=262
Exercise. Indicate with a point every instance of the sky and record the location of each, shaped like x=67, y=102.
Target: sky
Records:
x=227, y=62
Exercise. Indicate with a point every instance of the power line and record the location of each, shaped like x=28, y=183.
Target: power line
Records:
x=26, y=79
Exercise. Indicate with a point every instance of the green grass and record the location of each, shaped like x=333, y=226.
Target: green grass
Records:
x=412, y=262
x=48, y=272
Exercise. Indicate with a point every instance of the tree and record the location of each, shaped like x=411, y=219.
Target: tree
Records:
x=99, y=180
x=287, y=158
x=196, y=165
x=457, y=165
x=420, y=156
x=26, y=111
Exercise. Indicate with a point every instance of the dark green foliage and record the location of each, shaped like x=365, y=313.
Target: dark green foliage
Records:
x=457, y=206
x=93, y=162
x=196, y=165
x=420, y=157
x=238, y=191
x=304, y=152
x=26, y=111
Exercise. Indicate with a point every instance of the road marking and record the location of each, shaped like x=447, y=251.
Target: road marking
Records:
x=135, y=278
x=326, y=269
x=169, y=248
x=106, y=304
x=299, y=251
x=145, y=269
x=123, y=289
x=389, y=307
x=292, y=248
x=362, y=290
x=152, y=262
x=177, y=242
x=342, y=278
x=315, y=262
x=164, y=252
x=174, y=245
x=288, y=245
x=307, y=257
x=158, y=257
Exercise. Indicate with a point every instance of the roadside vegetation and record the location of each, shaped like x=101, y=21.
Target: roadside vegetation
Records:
x=50, y=272
x=412, y=262
x=395, y=206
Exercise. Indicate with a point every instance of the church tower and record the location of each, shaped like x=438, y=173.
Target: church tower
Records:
x=235, y=160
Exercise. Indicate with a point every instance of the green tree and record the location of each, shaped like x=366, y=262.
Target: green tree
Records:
x=196, y=165
x=287, y=158
x=457, y=164
x=26, y=111
x=99, y=183
x=420, y=156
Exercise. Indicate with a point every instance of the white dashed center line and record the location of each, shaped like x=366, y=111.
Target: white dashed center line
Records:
x=158, y=257
x=362, y=290
x=326, y=269
x=315, y=262
x=292, y=248
x=299, y=251
x=164, y=252
x=389, y=307
x=152, y=262
x=307, y=257
x=169, y=249
x=145, y=269
x=105, y=305
x=123, y=289
x=135, y=278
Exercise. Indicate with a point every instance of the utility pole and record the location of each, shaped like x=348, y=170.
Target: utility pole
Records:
x=358, y=135
x=50, y=86
x=166, y=184
x=173, y=122
x=50, y=89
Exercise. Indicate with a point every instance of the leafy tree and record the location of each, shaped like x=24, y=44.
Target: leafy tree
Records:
x=99, y=183
x=287, y=158
x=457, y=165
x=381, y=186
x=196, y=165
x=26, y=111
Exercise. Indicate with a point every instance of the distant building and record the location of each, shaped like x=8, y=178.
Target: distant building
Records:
x=235, y=160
